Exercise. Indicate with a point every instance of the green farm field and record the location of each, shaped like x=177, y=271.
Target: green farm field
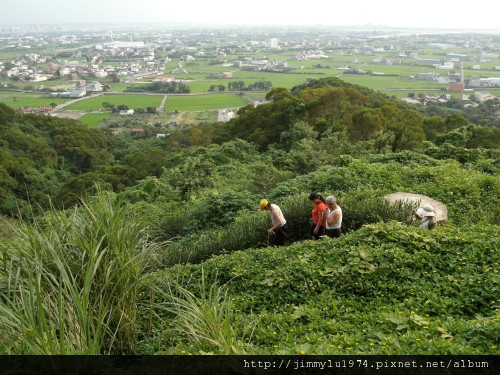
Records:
x=204, y=85
x=204, y=68
x=404, y=93
x=203, y=102
x=420, y=85
x=122, y=86
x=93, y=120
x=132, y=101
x=18, y=100
x=372, y=82
x=277, y=79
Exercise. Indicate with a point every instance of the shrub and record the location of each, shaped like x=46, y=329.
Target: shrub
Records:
x=406, y=158
x=218, y=208
x=166, y=220
x=357, y=175
x=368, y=206
x=246, y=231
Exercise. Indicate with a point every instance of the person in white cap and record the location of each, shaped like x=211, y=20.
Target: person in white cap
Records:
x=426, y=215
x=279, y=226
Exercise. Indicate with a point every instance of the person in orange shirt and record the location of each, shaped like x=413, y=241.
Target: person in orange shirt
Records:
x=318, y=216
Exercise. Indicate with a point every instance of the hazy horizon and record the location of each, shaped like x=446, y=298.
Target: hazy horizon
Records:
x=383, y=13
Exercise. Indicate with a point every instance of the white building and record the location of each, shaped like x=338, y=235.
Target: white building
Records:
x=126, y=112
x=99, y=73
x=224, y=115
x=95, y=86
x=483, y=96
x=445, y=67
x=38, y=77
x=272, y=43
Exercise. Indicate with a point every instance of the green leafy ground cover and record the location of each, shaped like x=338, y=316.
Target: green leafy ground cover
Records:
x=385, y=289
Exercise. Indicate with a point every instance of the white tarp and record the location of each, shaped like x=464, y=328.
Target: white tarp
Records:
x=439, y=208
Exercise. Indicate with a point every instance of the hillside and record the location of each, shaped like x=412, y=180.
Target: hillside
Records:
x=129, y=244
x=301, y=129
x=385, y=289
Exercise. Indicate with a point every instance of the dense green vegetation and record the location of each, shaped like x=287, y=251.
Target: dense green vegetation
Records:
x=163, y=87
x=126, y=243
x=386, y=289
x=38, y=153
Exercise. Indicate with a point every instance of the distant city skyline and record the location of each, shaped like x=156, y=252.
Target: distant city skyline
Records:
x=391, y=13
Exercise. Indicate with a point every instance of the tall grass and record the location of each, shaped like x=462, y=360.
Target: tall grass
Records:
x=368, y=206
x=249, y=230
x=208, y=318
x=70, y=282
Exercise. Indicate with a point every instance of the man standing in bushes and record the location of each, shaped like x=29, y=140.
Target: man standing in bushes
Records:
x=279, y=226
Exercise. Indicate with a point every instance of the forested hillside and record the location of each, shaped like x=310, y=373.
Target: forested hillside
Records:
x=118, y=243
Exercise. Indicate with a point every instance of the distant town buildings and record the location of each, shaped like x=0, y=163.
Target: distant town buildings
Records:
x=37, y=110
x=484, y=82
x=158, y=55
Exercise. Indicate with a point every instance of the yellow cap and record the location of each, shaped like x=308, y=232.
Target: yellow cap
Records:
x=263, y=203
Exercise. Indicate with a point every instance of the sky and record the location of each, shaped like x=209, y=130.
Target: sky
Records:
x=442, y=14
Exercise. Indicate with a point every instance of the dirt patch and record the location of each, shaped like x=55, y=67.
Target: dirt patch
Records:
x=185, y=118
x=74, y=116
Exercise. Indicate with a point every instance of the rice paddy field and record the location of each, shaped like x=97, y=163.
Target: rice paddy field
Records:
x=93, y=120
x=17, y=100
x=122, y=86
x=373, y=82
x=133, y=101
x=404, y=93
x=203, y=102
x=277, y=79
x=203, y=85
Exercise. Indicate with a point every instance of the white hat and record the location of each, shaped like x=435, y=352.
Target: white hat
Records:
x=426, y=210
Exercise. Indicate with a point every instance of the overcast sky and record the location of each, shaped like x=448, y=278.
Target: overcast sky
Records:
x=397, y=13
